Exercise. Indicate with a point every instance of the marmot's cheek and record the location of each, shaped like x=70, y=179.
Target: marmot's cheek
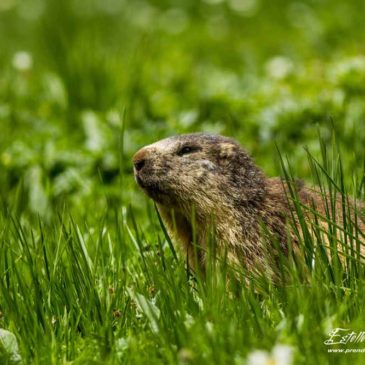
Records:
x=208, y=165
x=139, y=180
x=145, y=178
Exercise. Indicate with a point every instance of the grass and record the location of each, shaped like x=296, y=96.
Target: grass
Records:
x=88, y=274
x=107, y=291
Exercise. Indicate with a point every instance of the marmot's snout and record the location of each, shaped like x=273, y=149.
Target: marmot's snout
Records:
x=148, y=172
x=141, y=162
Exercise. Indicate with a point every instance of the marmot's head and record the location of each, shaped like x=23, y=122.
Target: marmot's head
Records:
x=202, y=170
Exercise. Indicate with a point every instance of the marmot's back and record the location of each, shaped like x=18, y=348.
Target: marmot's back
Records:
x=321, y=215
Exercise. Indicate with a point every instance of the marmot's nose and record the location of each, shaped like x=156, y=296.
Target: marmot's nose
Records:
x=139, y=159
x=138, y=165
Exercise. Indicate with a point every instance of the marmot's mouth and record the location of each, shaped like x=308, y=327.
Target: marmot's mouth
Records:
x=140, y=181
x=151, y=188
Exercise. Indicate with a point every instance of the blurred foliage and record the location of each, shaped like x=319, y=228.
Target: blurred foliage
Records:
x=85, y=84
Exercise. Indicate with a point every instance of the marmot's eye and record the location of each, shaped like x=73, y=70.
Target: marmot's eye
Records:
x=186, y=149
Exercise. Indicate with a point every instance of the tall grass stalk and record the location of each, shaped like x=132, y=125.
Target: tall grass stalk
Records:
x=102, y=290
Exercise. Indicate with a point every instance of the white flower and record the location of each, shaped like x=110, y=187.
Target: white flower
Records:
x=174, y=21
x=347, y=67
x=280, y=355
x=258, y=357
x=9, y=347
x=244, y=7
x=22, y=61
x=213, y=1
x=279, y=67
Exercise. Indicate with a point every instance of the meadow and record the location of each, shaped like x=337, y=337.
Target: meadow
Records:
x=88, y=274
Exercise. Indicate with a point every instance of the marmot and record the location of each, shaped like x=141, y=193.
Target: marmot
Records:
x=211, y=178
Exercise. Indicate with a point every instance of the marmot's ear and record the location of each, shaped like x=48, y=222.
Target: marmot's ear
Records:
x=233, y=155
x=227, y=151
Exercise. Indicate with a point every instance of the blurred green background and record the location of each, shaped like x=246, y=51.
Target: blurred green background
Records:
x=84, y=84
x=85, y=267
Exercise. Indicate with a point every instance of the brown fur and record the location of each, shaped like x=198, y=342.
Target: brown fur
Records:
x=213, y=179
